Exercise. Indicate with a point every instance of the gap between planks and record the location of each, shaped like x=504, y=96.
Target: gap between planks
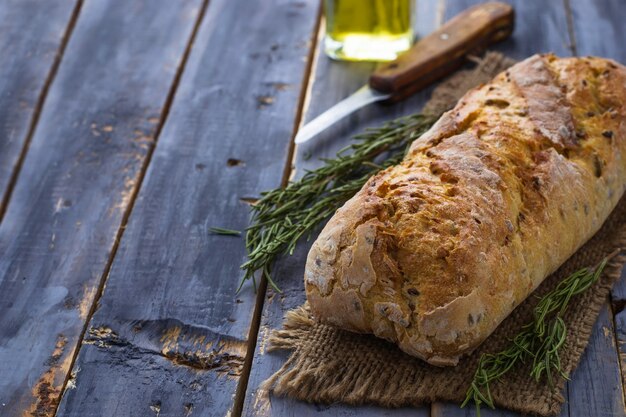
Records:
x=303, y=101
x=569, y=18
x=616, y=342
x=4, y=202
x=135, y=192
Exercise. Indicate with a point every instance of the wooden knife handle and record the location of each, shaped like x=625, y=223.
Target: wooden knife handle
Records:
x=444, y=50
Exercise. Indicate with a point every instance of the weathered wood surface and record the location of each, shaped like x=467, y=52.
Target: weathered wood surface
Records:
x=595, y=388
x=170, y=335
x=331, y=82
x=598, y=27
x=539, y=27
x=32, y=35
x=86, y=156
x=620, y=336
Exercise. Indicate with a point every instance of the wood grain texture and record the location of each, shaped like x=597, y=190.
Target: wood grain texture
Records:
x=332, y=81
x=31, y=37
x=620, y=336
x=170, y=335
x=76, y=182
x=598, y=27
x=595, y=388
x=453, y=410
x=539, y=27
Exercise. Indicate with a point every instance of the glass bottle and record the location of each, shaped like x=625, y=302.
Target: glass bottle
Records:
x=368, y=30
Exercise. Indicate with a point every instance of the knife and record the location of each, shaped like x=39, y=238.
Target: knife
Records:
x=430, y=59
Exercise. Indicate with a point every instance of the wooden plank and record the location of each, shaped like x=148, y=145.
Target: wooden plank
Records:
x=598, y=27
x=595, y=388
x=620, y=336
x=332, y=82
x=453, y=410
x=539, y=27
x=170, y=335
x=85, y=160
x=32, y=37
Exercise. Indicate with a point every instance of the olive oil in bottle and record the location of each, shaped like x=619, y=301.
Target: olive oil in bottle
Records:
x=368, y=30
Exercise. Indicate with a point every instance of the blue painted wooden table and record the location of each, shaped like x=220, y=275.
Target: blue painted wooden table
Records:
x=127, y=130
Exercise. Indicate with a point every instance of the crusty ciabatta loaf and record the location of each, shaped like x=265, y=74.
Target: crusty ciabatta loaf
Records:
x=434, y=253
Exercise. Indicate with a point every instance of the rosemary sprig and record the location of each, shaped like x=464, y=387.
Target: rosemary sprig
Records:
x=284, y=215
x=224, y=232
x=539, y=341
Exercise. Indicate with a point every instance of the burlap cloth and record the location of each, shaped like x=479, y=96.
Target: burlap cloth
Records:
x=329, y=365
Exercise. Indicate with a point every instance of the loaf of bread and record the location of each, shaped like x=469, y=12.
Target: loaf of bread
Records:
x=432, y=254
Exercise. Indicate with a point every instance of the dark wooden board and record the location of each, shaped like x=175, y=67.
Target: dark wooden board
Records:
x=76, y=183
x=31, y=39
x=598, y=27
x=595, y=388
x=453, y=410
x=170, y=335
x=620, y=336
x=332, y=81
x=539, y=27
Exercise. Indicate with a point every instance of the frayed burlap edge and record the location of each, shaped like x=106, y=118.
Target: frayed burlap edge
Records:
x=329, y=365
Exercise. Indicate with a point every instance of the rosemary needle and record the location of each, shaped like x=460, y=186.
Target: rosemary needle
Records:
x=538, y=341
x=224, y=232
x=284, y=215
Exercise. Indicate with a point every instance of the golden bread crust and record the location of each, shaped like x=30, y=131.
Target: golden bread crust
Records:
x=432, y=254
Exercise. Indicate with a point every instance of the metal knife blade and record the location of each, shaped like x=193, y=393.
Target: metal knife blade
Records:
x=363, y=96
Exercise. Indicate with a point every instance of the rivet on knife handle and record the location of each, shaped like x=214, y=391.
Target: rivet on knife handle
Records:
x=444, y=50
